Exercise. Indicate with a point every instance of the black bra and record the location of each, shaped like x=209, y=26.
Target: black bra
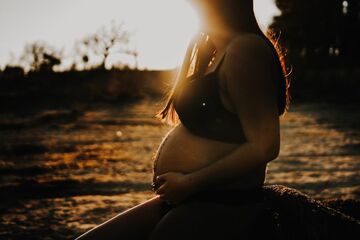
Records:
x=201, y=111
x=199, y=106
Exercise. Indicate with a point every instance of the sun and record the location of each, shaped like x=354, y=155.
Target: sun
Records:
x=167, y=27
x=165, y=32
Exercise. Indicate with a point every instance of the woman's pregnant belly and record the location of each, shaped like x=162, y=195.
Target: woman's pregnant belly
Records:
x=182, y=151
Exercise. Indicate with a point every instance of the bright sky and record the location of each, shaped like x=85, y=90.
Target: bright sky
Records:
x=162, y=27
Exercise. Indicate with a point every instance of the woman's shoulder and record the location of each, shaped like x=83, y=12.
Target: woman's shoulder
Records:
x=249, y=51
x=247, y=57
x=248, y=45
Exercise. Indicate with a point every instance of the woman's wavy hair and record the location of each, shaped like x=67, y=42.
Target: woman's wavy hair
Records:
x=199, y=46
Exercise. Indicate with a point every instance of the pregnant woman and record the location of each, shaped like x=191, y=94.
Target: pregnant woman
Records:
x=224, y=108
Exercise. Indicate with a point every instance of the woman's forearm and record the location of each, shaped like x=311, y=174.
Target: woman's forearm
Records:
x=230, y=167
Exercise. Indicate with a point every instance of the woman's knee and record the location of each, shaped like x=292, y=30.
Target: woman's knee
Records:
x=134, y=223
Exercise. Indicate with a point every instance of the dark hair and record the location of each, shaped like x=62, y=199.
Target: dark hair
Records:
x=284, y=97
x=168, y=114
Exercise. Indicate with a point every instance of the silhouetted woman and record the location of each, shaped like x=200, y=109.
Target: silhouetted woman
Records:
x=225, y=106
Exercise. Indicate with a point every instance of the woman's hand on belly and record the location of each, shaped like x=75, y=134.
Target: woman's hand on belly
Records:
x=175, y=187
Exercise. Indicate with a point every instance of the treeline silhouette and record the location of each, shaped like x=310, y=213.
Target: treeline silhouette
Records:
x=47, y=90
x=38, y=78
x=322, y=39
x=91, y=52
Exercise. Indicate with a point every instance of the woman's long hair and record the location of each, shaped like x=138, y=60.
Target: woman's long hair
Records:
x=198, y=47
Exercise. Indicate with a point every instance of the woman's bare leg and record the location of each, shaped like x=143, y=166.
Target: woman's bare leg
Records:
x=134, y=223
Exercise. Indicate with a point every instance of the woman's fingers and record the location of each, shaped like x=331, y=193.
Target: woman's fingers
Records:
x=161, y=190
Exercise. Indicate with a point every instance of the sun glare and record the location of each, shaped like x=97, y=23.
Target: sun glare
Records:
x=161, y=29
x=176, y=22
x=165, y=33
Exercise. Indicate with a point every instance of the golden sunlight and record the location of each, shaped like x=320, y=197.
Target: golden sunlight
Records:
x=160, y=29
x=163, y=35
x=177, y=22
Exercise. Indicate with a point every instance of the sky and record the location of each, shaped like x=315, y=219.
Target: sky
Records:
x=161, y=28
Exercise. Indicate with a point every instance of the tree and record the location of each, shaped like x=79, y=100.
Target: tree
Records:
x=82, y=52
x=40, y=57
x=105, y=41
x=320, y=31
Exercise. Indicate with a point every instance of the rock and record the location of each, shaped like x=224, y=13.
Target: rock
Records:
x=350, y=207
x=287, y=214
x=290, y=214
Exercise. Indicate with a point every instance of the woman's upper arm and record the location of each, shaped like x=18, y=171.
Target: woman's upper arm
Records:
x=248, y=69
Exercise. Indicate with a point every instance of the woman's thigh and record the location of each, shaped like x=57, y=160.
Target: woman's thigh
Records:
x=203, y=220
x=134, y=223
